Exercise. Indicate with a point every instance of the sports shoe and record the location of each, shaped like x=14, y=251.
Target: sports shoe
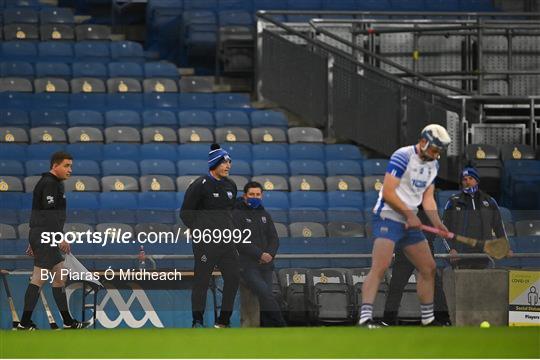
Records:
x=75, y=325
x=197, y=324
x=221, y=326
x=28, y=327
x=373, y=324
x=436, y=322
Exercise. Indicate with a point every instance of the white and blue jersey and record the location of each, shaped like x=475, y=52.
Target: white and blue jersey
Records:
x=415, y=177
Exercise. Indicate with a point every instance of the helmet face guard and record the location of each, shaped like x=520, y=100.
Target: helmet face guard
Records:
x=436, y=137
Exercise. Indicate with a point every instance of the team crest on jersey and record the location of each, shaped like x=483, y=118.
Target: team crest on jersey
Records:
x=263, y=219
x=229, y=194
x=486, y=203
x=384, y=229
x=248, y=221
x=50, y=199
x=216, y=195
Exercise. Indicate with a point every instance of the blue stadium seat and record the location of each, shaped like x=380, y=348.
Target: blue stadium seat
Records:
x=85, y=118
x=19, y=50
x=306, y=214
x=157, y=167
x=12, y=152
x=50, y=101
x=374, y=5
x=235, y=18
x=262, y=118
x=48, y=117
x=235, y=4
x=159, y=118
x=35, y=167
x=56, y=15
x=342, y=152
x=89, y=69
x=11, y=167
x=126, y=69
x=193, y=151
x=304, y=4
x=307, y=167
x=92, y=49
x=82, y=216
x=276, y=200
x=238, y=151
x=20, y=15
x=200, y=4
x=232, y=100
x=241, y=168
x=270, y=167
x=158, y=207
x=270, y=4
x=159, y=151
x=347, y=214
x=53, y=69
x=127, y=51
x=350, y=199
x=56, y=51
x=84, y=151
x=202, y=118
x=118, y=200
x=314, y=199
x=192, y=167
x=231, y=118
x=477, y=5
x=408, y=5
x=161, y=101
x=443, y=196
x=87, y=167
x=370, y=199
x=17, y=69
x=344, y=167
x=306, y=152
x=120, y=101
x=82, y=200
x=270, y=152
x=116, y=214
x=14, y=117
x=161, y=69
x=123, y=118
x=119, y=167
x=121, y=151
x=80, y=101
x=374, y=166
x=196, y=101
x=443, y=5
x=42, y=151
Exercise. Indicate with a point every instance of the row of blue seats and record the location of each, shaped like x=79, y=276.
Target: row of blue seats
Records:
x=520, y=184
x=362, y=5
x=31, y=15
x=153, y=69
x=71, y=52
x=36, y=4
x=189, y=167
x=122, y=101
x=186, y=118
x=247, y=152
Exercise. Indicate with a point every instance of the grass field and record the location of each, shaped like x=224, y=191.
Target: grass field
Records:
x=329, y=342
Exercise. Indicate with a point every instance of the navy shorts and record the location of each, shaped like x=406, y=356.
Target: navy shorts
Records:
x=396, y=231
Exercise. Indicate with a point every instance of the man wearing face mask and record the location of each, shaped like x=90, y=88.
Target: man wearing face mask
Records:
x=475, y=214
x=408, y=183
x=257, y=257
x=207, y=207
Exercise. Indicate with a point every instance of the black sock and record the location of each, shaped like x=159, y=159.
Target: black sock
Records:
x=59, y=294
x=30, y=300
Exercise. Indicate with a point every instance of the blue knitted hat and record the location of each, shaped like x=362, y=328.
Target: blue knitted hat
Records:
x=470, y=171
x=216, y=155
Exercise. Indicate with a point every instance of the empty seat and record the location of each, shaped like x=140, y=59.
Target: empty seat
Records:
x=231, y=134
x=15, y=84
x=119, y=167
x=7, y=232
x=85, y=118
x=92, y=32
x=232, y=100
x=21, y=32
x=33, y=167
x=270, y=152
x=85, y=151
x=345, y=199
x=193, y=151
x=84, y=134
x=268, y=135
x=125, y=69
x=161, y=69
x=127, y=50
x=306, y=152
x=159, y=134
x=183, y=182
x=272, y=182
x=196, y=118
x=195, y=134
x=13, y=117
x=344, y=167
x=95, y=50
x=305, y=134
x=122, y=134
x=517, y=152
x=51, y=85
x=89, y=69
x=123, y=85
x=196, y=84
x=192, y=167
x=307, y=229
x=156, y=85
x=307, y=167
x=268, y=118
x=30, y=182
x=43, y=151
x=528, y=228
x=121, y=151
x=12, y=151
x=241, y=168
x=87, y=85
x=157, y=150
x=13, y=135
x=157, y=167
x=20, y=15
x=373, y=183
x=238, y=151
x=374, y=166
x=19, y=50
x=312, y=199
x=56, y=15
x=56, y=32
x=55, y=51
x=82, y=200
x=86, y=167
x=343, y=183
x=81, y=183
x=196, y=101
x=122, y=118
x=345, y=229
x=160, y=100
x=157, y=183
x=306, y=183
x=119, y=183
x=10, y=183
x=48, y=117
x=270, y=167
x=53, y=69
x=47, y=134
x=159, y=118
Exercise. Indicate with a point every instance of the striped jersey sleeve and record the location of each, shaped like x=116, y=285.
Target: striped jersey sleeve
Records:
x=398, y=162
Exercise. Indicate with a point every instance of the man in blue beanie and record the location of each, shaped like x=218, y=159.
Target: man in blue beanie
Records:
x=207, y=212
x=472, y=213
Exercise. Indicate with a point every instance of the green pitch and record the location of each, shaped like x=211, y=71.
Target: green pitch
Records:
x=327, y=342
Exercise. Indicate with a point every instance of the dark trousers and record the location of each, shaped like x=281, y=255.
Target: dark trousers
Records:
x=401, y=272
x=259, y=281
x=207, y=256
